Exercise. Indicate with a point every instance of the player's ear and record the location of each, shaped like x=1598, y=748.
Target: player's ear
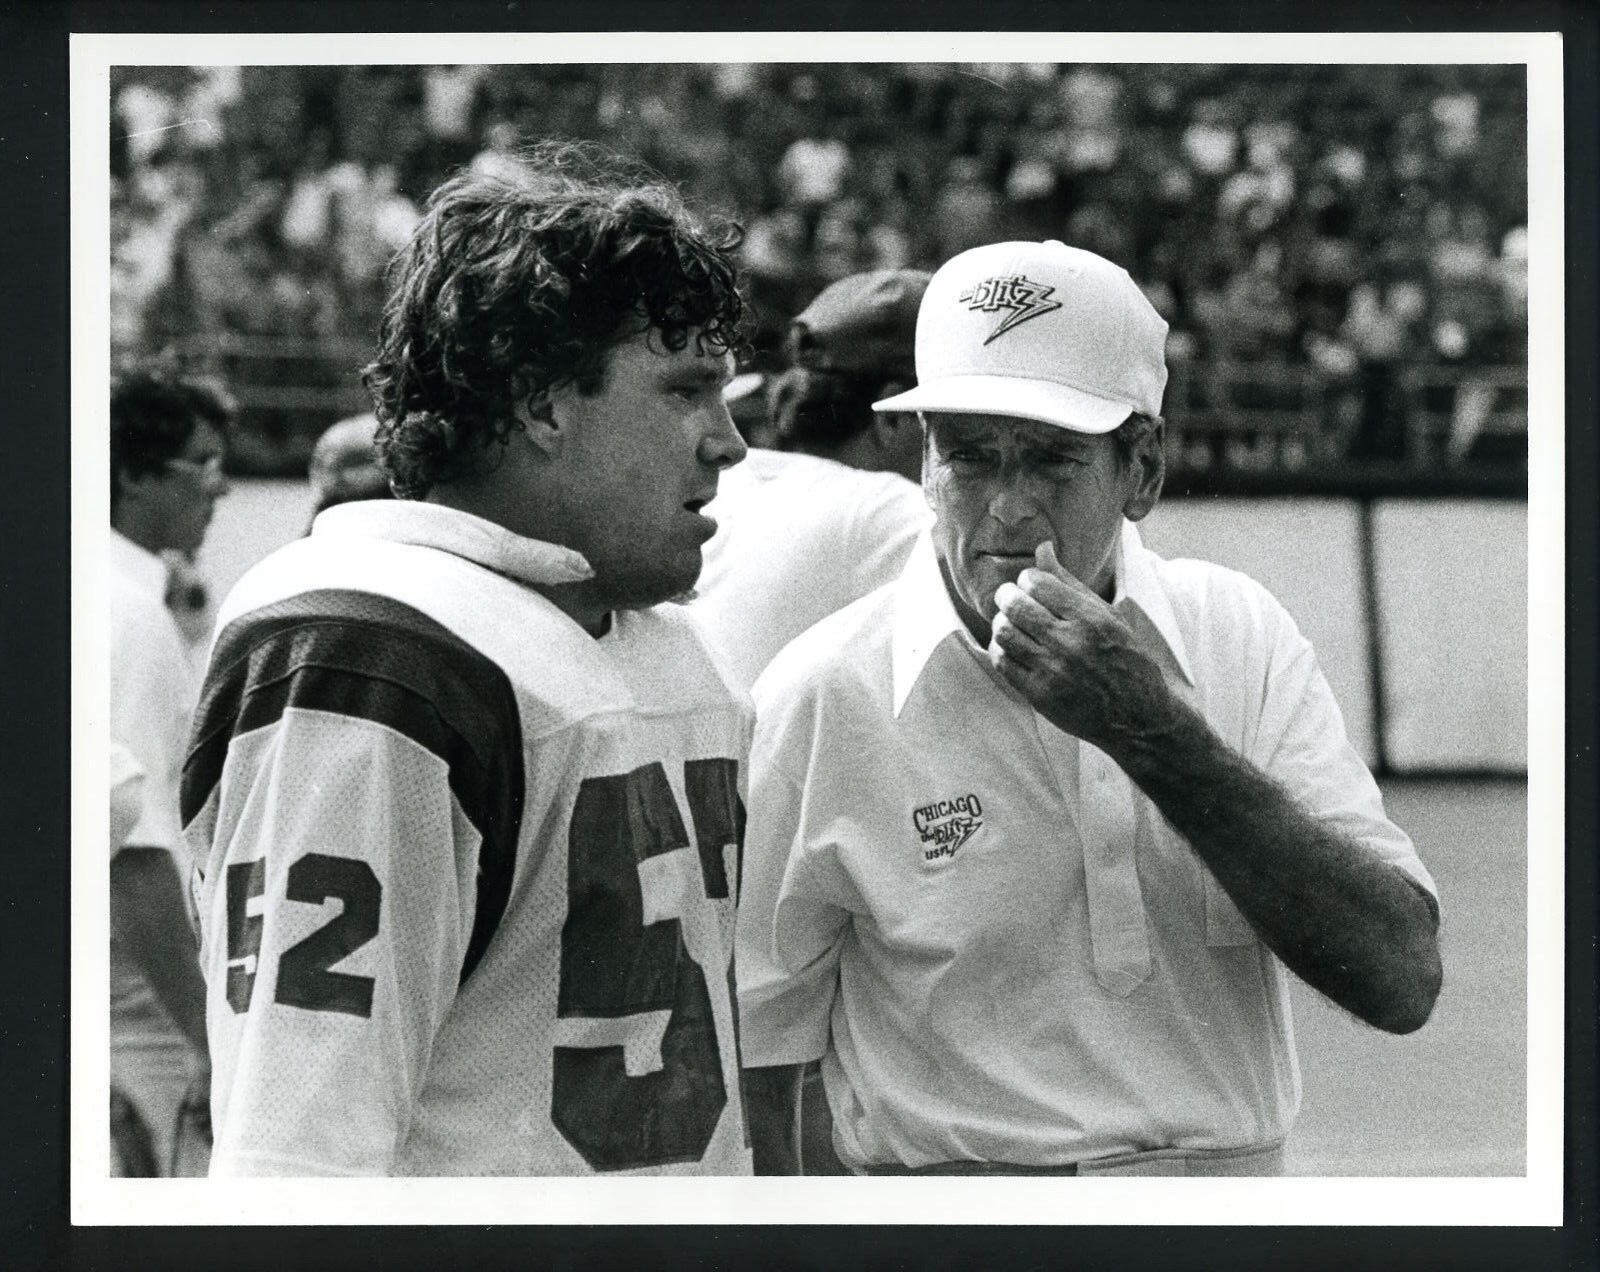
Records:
x=1148, y=468
x=536, y=414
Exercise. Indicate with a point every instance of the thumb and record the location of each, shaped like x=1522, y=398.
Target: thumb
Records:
x=1045, y=557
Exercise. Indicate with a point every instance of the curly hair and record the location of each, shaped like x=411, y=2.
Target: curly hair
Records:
x=514, y=285
x=155, y=408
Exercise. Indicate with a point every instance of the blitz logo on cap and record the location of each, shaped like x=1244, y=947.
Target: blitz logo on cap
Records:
x=946, y=824
x=1017, y=294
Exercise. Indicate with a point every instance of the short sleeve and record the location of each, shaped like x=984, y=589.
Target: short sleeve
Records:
x=127, y=794
x=152, y=697
x=1302, y=744
x=335, y=923
x=789, y=934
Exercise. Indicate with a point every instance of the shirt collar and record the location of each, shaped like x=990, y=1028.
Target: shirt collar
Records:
x=460, y=533
x=925, y=617
x=144, y=568
x=1139, y=583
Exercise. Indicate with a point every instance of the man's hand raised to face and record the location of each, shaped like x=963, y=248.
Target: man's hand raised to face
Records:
x=1074, y=659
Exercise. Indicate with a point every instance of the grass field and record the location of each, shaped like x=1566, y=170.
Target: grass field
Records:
x=1448, y=1100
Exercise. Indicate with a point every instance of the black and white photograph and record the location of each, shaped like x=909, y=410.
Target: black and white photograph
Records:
x=879, y=608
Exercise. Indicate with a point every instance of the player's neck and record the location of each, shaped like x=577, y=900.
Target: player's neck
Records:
x=581, y=603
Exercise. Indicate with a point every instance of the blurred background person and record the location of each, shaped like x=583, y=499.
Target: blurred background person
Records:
x=344, y=465
x=832, y=512
x=167, y=444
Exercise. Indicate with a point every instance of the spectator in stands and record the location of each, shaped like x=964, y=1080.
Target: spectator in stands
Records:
x=270, y=222
x=967, y=211
x=1382, y=328
x=167, y=441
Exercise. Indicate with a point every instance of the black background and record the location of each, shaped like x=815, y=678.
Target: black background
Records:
x=34, y=685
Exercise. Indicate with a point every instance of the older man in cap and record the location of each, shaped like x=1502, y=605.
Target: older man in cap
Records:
x=832, y=512
x=1039, y=831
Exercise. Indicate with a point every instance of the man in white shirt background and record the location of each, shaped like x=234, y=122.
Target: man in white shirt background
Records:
x=831, y=512
x=827, y=514
x=167, y=445
x=1039, y=830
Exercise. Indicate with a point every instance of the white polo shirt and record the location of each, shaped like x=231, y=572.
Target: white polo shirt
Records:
x=951, y=991
x=153, y=685
x=798, y=537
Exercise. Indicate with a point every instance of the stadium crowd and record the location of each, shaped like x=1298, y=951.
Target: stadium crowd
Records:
x=1343, y=222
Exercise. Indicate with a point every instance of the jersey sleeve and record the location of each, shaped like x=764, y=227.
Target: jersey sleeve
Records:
x=334, y=928
x=355, y=802
x=789, y=931
x=1301, y=743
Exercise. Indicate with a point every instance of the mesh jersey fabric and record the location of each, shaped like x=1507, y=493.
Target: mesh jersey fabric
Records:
x=467, y=874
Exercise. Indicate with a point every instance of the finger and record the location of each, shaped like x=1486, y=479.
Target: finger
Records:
x=1015, y=673
x=1025, y=611
x=1010, y=637
x=1065, y=600
x=1049, y=591
x=1048, y=565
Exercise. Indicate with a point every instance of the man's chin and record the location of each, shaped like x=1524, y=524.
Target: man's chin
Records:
x=659, y=589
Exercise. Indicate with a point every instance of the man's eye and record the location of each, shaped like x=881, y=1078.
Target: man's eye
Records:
x=964, y=455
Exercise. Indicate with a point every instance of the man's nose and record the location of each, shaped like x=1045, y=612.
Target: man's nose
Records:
x=1011, y=507
x=722, y=446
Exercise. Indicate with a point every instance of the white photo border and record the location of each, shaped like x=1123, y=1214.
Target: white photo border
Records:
x=1533, y=1199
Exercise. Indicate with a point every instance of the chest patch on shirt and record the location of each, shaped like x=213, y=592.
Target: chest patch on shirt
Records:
x=945, y=824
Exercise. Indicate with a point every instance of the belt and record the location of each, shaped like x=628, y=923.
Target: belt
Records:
x=1166, y=1161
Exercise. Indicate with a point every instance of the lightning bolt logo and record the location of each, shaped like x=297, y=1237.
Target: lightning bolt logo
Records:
x=1018, y=296
x=965, y=828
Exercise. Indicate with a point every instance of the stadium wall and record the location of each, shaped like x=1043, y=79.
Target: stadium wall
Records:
x=1417, y=607
x=1431, y=659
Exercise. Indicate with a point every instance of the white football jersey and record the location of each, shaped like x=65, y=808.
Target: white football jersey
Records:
x=467, y=874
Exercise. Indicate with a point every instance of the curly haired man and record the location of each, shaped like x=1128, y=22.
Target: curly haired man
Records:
x=465, y=794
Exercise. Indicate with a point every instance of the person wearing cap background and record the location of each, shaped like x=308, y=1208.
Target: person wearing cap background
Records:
x=1038, y=831
x=805, y=529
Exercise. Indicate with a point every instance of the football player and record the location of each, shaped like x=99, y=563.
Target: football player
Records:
x=466, y=793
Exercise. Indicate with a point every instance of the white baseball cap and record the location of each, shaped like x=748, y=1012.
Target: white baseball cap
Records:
x=1042, y=331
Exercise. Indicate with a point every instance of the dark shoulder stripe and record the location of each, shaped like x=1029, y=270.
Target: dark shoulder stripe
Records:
x=371, y=657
